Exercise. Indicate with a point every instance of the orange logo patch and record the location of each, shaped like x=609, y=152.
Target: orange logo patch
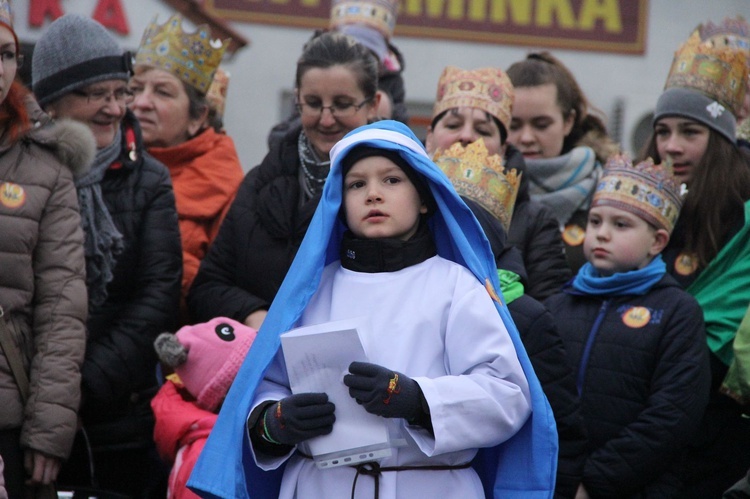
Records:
x=573, y=235
x=636, y=317
x=12, y=195
x=685, y=264
x=491, y=291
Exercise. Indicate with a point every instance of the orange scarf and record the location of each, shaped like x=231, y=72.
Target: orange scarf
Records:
x=206, y=173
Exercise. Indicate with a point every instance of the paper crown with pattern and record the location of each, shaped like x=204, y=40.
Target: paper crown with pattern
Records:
x=378, y=14
x=6, y=17
x=488, y=89
x=482, y=178
x=719, y=72
x=732, y=32
x=192, y=57
x=217, y=91
x=647, y=190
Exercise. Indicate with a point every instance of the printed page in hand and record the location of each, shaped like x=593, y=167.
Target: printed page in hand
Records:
x=317, y=358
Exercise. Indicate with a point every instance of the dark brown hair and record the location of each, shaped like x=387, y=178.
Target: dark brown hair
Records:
x=334, y=49
x=541, y=68
x=714, y=204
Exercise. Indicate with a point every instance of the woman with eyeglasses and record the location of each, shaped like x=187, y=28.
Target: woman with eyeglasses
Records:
x=336, y=85
x=42, y=280
x=133, y=257
x=170, y=101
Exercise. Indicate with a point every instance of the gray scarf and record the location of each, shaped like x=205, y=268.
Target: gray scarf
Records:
x=565, y=183
x=313, y=172
x=103, y=242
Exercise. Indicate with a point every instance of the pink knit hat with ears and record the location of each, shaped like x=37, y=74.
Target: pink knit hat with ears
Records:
x=207, y=357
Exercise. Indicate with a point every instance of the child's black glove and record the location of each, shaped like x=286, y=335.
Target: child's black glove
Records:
x=385, y=392
x=297, y=418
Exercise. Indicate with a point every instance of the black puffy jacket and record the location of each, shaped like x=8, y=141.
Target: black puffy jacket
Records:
x=119, y=371
x=642, y=371
x=258, y=239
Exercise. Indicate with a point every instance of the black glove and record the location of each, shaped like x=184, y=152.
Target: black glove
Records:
x=297, y=418
x=385, y=392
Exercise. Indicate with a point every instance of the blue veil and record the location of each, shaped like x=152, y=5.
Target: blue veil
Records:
x=522, y=467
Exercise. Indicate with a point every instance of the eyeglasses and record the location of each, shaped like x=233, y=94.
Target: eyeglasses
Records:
x=337, y=109
x=122, y=96
x=11, y=57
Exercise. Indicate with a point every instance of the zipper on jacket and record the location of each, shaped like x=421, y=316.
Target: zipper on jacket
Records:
x=589, y=345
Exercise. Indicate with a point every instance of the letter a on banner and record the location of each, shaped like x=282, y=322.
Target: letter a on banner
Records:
x=110, y=14
x=40, y=9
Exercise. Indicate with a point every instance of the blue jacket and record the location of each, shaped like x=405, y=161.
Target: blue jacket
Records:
x=524, y=466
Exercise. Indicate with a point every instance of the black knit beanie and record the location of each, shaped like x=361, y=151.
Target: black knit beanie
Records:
x=417, y=180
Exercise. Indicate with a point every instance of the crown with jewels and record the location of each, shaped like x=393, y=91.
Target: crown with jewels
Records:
x=732, y=32
x=482, y=178
x=193, y=57
x=488, y=89
x=217, y=91
x=645, y=189
x=719, y=72
x=377, y=14
x=5, y=15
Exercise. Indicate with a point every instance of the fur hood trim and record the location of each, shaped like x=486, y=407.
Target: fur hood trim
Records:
x=72, y=142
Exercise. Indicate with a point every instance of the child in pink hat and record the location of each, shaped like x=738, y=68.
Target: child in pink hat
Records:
x=205, y=358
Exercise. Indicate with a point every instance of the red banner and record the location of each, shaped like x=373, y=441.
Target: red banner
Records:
x=597, y=25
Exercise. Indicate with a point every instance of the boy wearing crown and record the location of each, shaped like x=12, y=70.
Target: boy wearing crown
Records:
x=635, y=339
x=490, y=191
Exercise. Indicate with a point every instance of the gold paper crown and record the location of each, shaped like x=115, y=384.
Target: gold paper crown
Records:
x=378, y=14
x=217, y=91
x=481, y=178
x=718, y=72
x=193, y=58
x=488, y=89
x=647, y=190
x=733, y=33
x=5, y=15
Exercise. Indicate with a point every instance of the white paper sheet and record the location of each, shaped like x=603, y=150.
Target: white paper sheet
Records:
x=317, y=358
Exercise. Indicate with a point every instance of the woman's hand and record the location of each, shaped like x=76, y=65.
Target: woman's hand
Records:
x=42, y=469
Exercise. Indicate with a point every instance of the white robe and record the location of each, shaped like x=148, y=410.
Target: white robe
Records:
x=435, y=323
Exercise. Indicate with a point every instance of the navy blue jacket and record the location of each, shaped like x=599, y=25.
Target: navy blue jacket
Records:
x=642, y=371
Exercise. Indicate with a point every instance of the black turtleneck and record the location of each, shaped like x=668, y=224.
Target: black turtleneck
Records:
x=386, y=255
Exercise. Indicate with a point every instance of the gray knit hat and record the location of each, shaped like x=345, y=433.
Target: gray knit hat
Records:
x=697, y=106
x=75, y=51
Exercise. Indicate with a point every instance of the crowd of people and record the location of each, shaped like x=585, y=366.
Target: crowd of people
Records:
x=542, y=314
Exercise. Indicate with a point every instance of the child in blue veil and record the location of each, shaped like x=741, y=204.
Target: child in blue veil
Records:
x=521, y=452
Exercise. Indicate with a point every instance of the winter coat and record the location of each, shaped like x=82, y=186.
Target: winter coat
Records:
x=257, y=241
x=547, y=354
x=548, y=357
x=42, y=279
x=181, y=431
x=643, y=376
x=206, y=173
x=535, y=232
x=142, y=298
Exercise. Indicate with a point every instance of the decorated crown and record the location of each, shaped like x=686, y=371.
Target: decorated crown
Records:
x=5, y=15
x=719, y=72
x=217, y=91
x=482, y=178
x=488, y=89
x=733, y=33
x=378, y=14
x=647, y=190
x=193, y=58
